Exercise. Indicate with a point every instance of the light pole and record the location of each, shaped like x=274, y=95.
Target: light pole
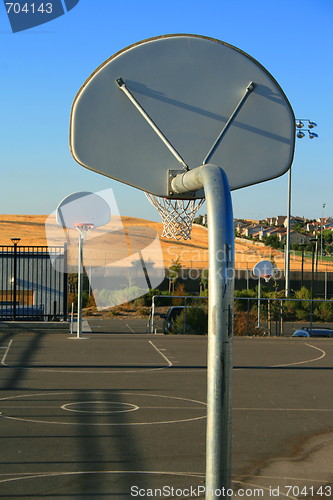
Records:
x=314, y=250
x=322, y=229
x=300, y=123
x=15, y=242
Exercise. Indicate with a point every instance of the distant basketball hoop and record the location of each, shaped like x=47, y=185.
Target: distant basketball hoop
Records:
x=266, y=277
x=84, y=229
x=263, y=269
x=95, y=211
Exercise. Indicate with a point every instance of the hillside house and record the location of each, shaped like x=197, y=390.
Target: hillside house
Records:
x=294, y=221
x=295, y=237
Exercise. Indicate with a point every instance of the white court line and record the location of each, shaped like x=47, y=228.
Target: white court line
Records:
x=88, y=371
x=130, y=329
x=3, y=361
x=308, y=360
x=161, y=353
x=39, y=421
x=284, y=409
x=42, y=475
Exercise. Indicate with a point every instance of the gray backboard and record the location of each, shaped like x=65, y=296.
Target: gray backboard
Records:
x=83, y=208
x=264, y=268
x=190, y=86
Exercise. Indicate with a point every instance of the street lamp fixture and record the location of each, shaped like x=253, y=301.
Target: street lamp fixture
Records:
x=15, y=241
x=300, y=124
x=309, y=124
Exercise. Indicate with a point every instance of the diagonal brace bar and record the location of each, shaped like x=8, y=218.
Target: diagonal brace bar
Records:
x=122, y=85
x=249, y=89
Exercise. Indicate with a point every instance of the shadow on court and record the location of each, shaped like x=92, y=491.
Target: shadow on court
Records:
x=52, y=423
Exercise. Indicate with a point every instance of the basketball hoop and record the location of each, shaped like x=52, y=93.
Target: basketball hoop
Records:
x=84, y=228
x=266, y=277
x=177, y=215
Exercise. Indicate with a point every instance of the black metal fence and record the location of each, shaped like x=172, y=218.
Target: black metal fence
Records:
x=31, y=287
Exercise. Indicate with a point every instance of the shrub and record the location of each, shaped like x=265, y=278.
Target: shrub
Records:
x=143, y=311
x=196, y=322
x=246, y=324
x=180, y=290
x=324, y=311
x=242, y=305
x=72, y=298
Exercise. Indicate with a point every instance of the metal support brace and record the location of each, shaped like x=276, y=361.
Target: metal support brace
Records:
x=248, y=90
x=122, y=85
x=220, y=316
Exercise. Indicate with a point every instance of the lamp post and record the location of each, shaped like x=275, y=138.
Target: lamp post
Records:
x=314, y=251
x=300, y=123
x=15, y=242
x=322, y=229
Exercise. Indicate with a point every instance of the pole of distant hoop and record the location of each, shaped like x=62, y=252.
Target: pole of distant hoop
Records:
x=79, y=287
x=220, y=320
x=83, y=230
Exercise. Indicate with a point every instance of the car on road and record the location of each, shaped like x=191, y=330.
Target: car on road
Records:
x=169, y=318
x=313, y=332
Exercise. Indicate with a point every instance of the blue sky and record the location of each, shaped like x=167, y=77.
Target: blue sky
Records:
x=43, y=68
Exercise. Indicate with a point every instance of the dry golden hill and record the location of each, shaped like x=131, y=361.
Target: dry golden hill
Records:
x=111, y=243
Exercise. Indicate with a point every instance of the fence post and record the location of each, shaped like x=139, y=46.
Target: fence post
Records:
x=184, y=331
x=281, y=317
x=65, y=284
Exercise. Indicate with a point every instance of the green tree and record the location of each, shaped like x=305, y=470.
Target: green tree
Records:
x=174, y=272
x=272, y=241
x=198, y=220
x=328, y=235
x=203, y=280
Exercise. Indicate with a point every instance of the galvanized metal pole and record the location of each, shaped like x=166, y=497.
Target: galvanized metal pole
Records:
x=65, y=283
x=220, y=322
x=79, y=287
x=287, y=251
x=259, y=294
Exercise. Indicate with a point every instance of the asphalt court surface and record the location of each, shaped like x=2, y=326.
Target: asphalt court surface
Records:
x=93, y=418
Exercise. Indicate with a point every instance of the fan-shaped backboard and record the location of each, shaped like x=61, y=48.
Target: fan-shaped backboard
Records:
x=264, y=268
x=190, y=86
x=83, y=208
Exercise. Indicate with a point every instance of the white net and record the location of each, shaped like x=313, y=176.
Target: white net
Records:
x=266, y=277
x=177, y=215
x=84, y=229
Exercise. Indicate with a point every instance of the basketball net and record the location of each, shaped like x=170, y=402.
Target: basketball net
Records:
x=84, y=229
x=177, y=215
x=266, y=277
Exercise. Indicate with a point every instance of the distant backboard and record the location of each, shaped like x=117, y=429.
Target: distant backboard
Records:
x=192, y=88
x=83, y=208
x=264, y=268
